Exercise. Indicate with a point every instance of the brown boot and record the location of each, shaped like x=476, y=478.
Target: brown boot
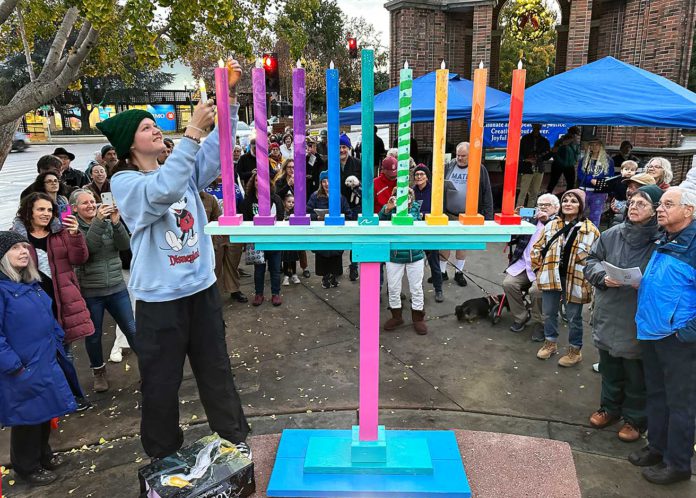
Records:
x=418, y=317
x=101, y=383
x=395, y=320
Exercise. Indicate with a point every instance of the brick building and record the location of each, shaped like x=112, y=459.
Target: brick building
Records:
x=655, y=35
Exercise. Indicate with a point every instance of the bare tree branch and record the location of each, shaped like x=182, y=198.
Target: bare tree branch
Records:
x=39, y=92
x=6, y=8
x=58, y=45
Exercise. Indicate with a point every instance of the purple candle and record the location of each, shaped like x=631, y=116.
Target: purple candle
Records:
x=258, y=81
x=222, y=85
x=299, y=93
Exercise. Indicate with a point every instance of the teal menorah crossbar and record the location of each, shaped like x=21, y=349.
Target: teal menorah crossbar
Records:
x=368, y=460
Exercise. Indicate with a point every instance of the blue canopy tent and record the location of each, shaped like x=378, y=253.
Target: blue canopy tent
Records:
x=605, y=92
x=458, y=101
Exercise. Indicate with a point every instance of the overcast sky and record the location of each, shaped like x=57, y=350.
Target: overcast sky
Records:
x=372, y=10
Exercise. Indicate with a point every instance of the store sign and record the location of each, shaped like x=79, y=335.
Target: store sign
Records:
x=165, y=116
x=495, y=134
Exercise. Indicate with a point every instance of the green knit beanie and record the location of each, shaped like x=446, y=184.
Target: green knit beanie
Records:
x=120, y=129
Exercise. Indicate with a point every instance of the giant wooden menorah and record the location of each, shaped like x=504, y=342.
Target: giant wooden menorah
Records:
x=368, y=460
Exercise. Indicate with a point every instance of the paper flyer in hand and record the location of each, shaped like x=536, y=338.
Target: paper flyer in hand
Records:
x=627, y=276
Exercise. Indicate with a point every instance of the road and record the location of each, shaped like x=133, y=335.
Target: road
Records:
x=19, y=171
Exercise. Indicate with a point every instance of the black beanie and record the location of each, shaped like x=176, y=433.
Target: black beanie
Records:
x=8, y=239
x=422, y=167
x=120, y=129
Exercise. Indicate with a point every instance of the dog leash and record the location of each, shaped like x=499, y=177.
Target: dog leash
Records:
x=488, y=294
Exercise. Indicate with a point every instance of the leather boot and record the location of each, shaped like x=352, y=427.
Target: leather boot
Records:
x=395, y=319
x=418, y=317
x=101, y=384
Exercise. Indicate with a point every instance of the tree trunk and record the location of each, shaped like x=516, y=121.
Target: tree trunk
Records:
x=6, y=134
x=85, y=127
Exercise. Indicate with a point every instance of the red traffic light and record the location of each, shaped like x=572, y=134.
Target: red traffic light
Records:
x=269, y=62
x=352, y=43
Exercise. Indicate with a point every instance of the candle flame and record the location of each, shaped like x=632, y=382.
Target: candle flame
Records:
x=221, y=63
x=258, y=63
x=519, y=65
x=331, y=65
x=481, y=65
x=299, y=64
x=406, y=65
x=442, y=66
x=201, y=84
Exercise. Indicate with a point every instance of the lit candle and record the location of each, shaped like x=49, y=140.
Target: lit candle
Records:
x=263, y=194
x=404, y=133
x=299, y=94
x=508, y=216
x=204, y=92
x=334, y=217
x=436, y=217
x=368, y=216
x=478, y=102
x=229, y=206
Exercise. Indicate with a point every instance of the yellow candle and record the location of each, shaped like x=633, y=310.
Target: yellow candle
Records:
x=436, y=217
x=478, y=104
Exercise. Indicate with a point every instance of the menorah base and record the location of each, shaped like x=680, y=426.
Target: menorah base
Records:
x=319, y=463
x=471, y=219
x=368, y=220
x=507, y=219
x=233, y=220
x=436, y=219
x=296, y=220
x=334, y=220
x=402, y=220
x=260, y=220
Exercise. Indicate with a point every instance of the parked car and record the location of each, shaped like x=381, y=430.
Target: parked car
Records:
x=20, y=141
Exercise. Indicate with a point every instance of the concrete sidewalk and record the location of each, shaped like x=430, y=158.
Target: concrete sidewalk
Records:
x=296, y=366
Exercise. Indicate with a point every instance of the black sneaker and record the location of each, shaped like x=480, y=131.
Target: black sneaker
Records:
x=439, y=298
x=538, y=333
x=82, y=404
x=306, y=274
x=645, y=457
x=239, y=296
x=54, y=462
x=40, y=477
x=244, y=449
x=353, y=272
x=664, y=474
x=333, y=281
x=325, y=282
x=460, y=279
x=517, y=327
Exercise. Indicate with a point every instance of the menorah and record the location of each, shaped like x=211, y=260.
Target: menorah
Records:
x=368, y=460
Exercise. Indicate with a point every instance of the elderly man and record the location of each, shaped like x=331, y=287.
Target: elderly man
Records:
x=70, y=176
x=520, y=278
x=666, y=323
x=456, y=175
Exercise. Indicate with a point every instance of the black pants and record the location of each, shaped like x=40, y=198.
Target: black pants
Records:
x=670, y=380
x=556, y=173
x=165, y=334
x=29, y=447
x=435, y=272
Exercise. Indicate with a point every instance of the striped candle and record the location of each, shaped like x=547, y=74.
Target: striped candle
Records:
x=404, y=133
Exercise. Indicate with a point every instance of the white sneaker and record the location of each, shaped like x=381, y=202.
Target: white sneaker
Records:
x=244, y=449
x=295, y=279
x=116, y=356
x=286, y=280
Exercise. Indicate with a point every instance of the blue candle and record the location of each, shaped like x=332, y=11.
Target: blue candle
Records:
x=334, y=217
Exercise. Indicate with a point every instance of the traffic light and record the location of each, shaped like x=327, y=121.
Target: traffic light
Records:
x=353, y=48
x=270, y=66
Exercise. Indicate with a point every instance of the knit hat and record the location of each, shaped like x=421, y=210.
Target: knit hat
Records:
x=274, y=145
x=120, y=129
x=422, y=167
x=640, y=179
x=8, y=239
x=106, y=149
x=579, y=194
x=324, y=175
x=345, y=141
x=652, y=191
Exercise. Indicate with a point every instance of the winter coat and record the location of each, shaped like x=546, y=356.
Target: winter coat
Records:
x=383, y=188
x=92, y=187
x=667, y=295
x=585, y=176
x=104, y=240
x=30, y=337
x=624, y=246
x=403, y=256
x=424, y=197
x=353, y=167
x=251, y=208
x=316, y=202
x=577, y=288
x=66, y=250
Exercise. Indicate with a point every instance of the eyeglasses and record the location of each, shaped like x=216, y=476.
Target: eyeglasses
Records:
x=638, y=204
x=666, y=205
x=655, y=166
x=544, y=205
x=420, y=173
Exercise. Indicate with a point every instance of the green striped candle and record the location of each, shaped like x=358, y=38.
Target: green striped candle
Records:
x=404, y=133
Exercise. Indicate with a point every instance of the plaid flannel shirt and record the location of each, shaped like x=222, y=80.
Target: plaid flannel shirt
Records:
x=578, y=289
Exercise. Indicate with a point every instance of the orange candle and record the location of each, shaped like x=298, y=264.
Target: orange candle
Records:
x=508, y=216
x=478, y=103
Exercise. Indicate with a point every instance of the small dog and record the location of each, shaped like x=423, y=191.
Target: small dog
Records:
x=480, y=307
x=353, y=183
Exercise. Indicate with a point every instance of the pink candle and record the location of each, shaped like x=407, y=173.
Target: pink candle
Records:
x=258, y=81
x=229, y=206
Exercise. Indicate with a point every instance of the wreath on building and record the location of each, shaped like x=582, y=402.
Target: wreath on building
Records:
x=530, y=20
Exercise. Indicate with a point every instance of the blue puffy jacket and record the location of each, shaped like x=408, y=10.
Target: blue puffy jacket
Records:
x=30, y=338
x=667, y=295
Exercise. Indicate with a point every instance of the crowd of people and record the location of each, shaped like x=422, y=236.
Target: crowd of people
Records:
x=142, y=204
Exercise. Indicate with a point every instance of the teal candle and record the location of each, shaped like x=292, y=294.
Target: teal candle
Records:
x=367, y=107
x=404, y=141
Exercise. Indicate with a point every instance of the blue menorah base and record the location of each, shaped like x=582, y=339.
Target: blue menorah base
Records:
x=330, y=463
x=334, y=220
